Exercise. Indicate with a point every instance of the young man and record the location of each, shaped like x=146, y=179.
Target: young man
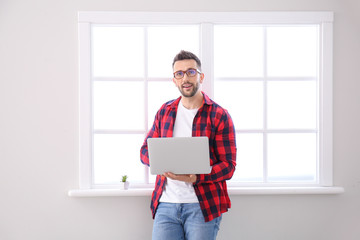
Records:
x=191, y=206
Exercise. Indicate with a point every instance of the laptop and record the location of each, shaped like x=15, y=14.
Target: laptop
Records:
x=179, y=155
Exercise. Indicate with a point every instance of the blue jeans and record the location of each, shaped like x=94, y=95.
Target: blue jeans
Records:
x=180, y=221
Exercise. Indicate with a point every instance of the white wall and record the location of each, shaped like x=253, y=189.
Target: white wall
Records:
x=39, y=132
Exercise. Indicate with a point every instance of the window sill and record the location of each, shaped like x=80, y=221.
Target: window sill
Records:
x=233, y=191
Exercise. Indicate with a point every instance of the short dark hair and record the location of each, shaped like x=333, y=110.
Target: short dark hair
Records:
x=183, y=55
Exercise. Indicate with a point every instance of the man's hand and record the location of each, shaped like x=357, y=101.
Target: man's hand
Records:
x=190, y=178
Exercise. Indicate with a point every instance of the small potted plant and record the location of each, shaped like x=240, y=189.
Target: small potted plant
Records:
x=124, y=184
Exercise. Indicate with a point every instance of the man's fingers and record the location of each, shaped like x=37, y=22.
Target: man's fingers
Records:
x=180, y=177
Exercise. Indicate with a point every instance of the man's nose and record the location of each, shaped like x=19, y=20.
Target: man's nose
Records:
x=185, y=78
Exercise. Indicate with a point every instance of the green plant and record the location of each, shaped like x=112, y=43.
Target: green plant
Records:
x=124, y=178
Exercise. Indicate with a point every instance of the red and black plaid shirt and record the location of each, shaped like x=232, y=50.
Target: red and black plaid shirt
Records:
x=214, y=122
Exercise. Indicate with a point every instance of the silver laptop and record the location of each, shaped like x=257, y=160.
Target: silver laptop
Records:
x=181, y=155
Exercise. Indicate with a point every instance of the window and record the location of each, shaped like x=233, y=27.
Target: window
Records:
x=272, y=71
x=269, y=84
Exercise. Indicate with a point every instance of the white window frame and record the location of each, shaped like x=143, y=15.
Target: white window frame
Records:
x=206, y=20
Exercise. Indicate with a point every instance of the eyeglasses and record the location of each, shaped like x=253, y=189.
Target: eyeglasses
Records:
x=191, y=72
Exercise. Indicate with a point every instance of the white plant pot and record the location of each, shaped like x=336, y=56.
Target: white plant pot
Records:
x=124, y=185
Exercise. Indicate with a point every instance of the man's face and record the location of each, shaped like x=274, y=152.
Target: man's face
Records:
x=188, y=86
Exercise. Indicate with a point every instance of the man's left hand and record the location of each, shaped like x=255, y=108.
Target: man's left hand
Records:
x=190, y=178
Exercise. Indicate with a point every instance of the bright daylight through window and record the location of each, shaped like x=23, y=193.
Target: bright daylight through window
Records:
x=273, y=76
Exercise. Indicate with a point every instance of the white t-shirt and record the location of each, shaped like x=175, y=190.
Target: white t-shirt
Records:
x=178, y=191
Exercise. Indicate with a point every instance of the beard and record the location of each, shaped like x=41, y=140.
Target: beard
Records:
x=189, y=94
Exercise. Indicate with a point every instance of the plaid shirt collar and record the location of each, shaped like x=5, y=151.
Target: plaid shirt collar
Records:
x=175, y=103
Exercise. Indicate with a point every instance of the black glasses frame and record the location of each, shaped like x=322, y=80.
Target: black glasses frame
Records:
x=187, y=72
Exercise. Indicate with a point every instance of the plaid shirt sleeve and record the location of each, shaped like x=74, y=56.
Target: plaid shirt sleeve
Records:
x=223, y=150
x=153, y=133
x=162, y=127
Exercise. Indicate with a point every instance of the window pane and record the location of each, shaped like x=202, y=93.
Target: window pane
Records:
x=249, y=158
x=118, y=51
x=165, y=42
x=243, y=100
x=292, y=51
x=292, y=157
x=113, y=103
x=159, y=93
x=116, y=155
x=238, y=51
x=292, y=104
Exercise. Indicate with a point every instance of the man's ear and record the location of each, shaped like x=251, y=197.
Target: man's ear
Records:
x=202, y=76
